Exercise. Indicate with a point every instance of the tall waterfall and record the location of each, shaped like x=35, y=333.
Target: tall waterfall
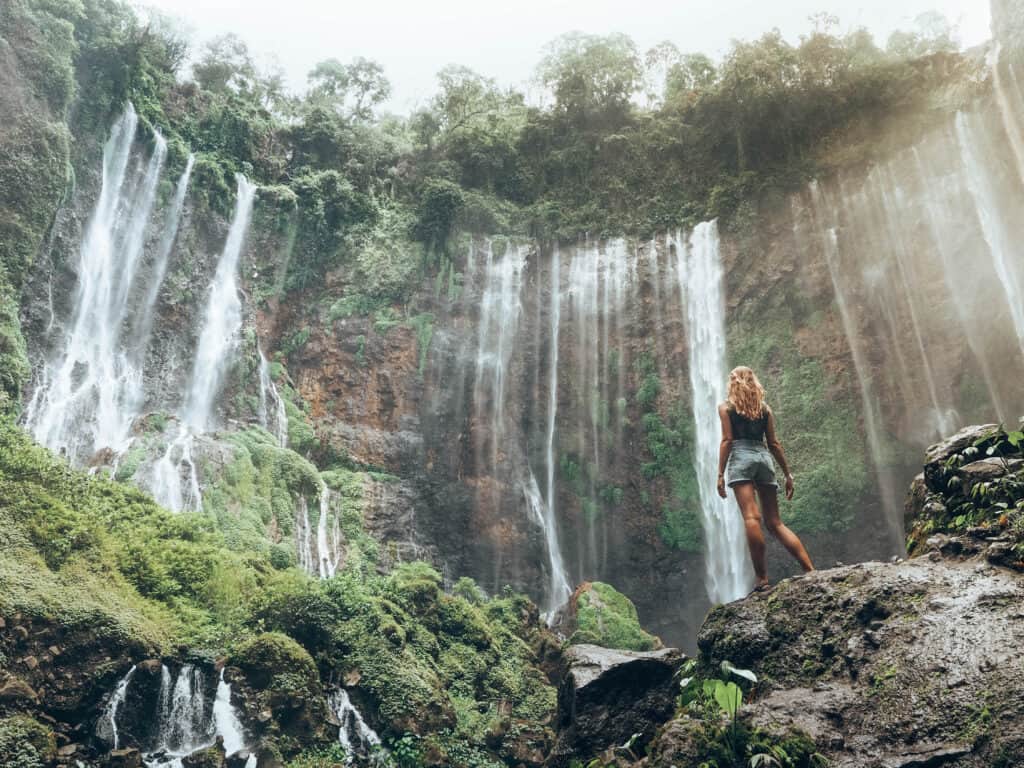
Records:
x=1003, y=245
x=559, y=588
x=726, y=561
x=88, y=398
x=218, y=339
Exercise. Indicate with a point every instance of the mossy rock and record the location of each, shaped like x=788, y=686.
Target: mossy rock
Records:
x=274, y=654
x=606, y=617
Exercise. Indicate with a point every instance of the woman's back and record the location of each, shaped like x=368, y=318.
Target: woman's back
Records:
x=748, y=429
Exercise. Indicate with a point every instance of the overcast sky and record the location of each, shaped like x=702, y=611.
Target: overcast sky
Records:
x=413, y=39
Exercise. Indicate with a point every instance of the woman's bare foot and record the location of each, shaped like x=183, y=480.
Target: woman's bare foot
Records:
x=761, y=586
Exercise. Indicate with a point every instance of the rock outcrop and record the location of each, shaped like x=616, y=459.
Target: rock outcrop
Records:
x=606, y=697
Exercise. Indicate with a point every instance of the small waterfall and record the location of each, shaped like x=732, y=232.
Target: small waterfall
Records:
x=326, y=550
x=727, y=563
x=107, y=726
x=225, y=719
x=269, y=395
x=356, y=737
x=222, y=320
x=1007, y=113
x=214, y=356
x=185, y=719
x=89, y=397
x=1002, y=245
x=304, y=538
x=559, y=588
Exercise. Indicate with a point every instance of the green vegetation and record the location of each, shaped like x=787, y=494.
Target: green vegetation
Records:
x=671, y=450
x=960, y=503
x=26, y=743
x=816, y=420
x=606, y=617
x=712, y=707
x=435, y=665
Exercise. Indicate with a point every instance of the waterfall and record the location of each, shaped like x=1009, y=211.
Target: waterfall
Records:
x=1002, y=246
x=559, y=588
x=107, y=726
x=89, y=397
x=214, y=356
x=172, y=222
x=869, y=399
x=226, y=721
x=1006, y=111
x=184, y=718
x=699, y=270
x=222, y=320
x=268, y=395
x=304, y=538
x=356, y=737
x=326, y=554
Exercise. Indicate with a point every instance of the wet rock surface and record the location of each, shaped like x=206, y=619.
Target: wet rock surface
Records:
x=607, y=696
x=885, y=664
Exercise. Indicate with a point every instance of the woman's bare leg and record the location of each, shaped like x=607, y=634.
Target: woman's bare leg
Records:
x=770, y=504
x=752, y=523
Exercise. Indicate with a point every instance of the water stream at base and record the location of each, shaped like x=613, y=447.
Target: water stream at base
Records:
x=185, y=720
x=699, y=270
x=357, y=738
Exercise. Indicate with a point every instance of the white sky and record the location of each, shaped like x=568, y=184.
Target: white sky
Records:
x=413, y=39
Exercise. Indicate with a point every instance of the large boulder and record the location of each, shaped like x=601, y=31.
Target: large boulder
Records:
x=885, y=664
x=607, y=696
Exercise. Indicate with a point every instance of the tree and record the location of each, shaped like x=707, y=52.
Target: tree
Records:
x=351, y=90
x=592, y=77
x=225, y=65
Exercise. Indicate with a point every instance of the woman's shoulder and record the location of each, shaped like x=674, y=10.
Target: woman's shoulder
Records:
x=724, y=407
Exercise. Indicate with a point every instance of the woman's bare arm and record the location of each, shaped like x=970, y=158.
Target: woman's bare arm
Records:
x=724, y=447
x=776, y=450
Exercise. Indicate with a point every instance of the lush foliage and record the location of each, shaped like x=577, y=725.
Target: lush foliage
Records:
x=990, y=503
x=723, y=739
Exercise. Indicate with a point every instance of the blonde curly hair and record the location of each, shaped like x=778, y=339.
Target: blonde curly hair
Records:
x=746, y=395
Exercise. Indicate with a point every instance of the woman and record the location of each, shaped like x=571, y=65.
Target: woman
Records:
x=748, y=444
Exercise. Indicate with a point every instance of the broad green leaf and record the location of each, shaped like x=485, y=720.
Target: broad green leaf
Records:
x=729, y=697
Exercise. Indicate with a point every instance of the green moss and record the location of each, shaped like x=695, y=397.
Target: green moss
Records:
x=606, y=617
x=259, y=487
x=26, y=743
x=273, y=654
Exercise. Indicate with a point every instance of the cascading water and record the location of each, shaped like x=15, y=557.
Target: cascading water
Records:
x=88, y=399
x=185, y=719
x=559, y=588
x=107, y=726
x=357, y=738
x=699, y=270
x=326, y=549
x=158, y=271
x=1001, y=244
x=218, y=340
x=269, y=396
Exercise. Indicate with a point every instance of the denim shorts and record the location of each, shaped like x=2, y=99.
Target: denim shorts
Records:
x=750, y=462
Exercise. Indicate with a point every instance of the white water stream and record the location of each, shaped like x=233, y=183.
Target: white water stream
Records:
x=357, y=738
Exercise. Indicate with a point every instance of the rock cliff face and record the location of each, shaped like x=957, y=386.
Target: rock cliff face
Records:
x=852, y=299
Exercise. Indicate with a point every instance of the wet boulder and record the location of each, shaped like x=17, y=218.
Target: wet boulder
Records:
x=608, y=696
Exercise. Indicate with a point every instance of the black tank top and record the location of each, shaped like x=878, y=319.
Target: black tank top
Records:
x=748, y=429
